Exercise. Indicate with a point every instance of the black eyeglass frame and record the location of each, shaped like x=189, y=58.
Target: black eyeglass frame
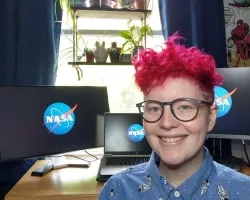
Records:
x=197, y=103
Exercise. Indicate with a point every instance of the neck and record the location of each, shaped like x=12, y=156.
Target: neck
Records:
x=176, y=175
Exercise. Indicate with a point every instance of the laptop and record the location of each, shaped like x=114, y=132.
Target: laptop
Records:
x=125, y=143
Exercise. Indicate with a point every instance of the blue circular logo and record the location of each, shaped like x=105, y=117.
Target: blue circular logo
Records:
x=223, y=100
x=59, y=118
x=136, y=133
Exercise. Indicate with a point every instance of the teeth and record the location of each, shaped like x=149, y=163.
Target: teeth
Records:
x=172, y=140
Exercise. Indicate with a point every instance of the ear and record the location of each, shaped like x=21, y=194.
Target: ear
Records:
x=212, y=117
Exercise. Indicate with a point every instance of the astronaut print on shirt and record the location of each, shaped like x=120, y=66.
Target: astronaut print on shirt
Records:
x=128, y=170
x=112, y=193
x=163, y=180
x=146, y=186
x=204, y=186
x=223, y=195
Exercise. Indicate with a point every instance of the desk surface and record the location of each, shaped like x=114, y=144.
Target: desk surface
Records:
x=60, y=184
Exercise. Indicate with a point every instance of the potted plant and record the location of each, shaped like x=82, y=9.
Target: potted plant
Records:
x=114, y=53
x=89, y=53
x=133, y=37
x=100, y=53
x=139, y=4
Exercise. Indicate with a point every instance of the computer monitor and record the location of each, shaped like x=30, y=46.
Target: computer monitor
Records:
x=233, y=100
x=44, y=120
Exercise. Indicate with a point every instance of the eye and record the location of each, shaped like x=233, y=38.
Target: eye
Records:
x=156, y=109
x=184, y=107
x=152, y=107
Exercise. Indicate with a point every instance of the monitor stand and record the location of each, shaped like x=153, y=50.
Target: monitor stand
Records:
x=227, y=158
x=58, y=163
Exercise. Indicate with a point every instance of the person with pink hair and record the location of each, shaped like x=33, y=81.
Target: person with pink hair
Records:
x=178, y=111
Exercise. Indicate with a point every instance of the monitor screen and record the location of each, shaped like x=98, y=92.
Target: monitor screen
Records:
x=44, y=120
x=124, y=134
x=233, y=100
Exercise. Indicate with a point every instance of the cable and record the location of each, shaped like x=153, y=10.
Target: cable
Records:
x=77, y=157
x=96, y=158
x=91, y=154
x=244, y=146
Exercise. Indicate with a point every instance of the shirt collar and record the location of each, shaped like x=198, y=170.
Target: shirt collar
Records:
x=191, y=185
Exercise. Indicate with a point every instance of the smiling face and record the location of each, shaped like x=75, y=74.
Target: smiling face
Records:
x=177, y=142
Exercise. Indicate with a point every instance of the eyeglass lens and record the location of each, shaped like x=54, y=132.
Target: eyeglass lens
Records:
x=182, y=109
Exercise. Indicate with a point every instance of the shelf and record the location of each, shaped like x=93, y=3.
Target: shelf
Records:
x=112, y=13
x=85, y=63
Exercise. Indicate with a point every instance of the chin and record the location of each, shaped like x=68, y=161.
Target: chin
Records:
x=173, y=162
x=176, y=160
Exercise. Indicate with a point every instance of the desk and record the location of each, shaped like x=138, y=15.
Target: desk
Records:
x=245, y=170
x=62, y=184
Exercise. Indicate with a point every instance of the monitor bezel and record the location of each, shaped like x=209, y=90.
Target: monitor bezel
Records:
x=228, y=136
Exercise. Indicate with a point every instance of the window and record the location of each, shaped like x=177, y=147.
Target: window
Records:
x=122, y=92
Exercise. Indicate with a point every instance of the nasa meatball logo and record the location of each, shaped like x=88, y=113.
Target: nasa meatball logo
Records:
x=59, y=118
x=223, y=99
x=136, y=133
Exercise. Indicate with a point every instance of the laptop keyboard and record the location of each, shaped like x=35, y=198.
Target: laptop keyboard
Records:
x=126, y=160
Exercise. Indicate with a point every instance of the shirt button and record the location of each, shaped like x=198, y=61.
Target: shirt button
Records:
x=160, y=198
x=177, y=194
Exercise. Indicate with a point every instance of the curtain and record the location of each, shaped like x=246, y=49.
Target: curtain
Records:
x=201, y=23
x=29, y=43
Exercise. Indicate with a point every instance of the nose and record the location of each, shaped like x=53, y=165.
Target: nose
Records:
x=168, y=120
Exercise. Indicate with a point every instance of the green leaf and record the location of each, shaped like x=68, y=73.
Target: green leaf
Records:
x=126, y=35
x=135, y=34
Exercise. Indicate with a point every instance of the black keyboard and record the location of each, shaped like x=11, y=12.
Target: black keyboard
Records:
x=126, y=160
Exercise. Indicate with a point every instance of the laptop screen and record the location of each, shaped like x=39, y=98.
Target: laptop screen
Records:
x=124, y=134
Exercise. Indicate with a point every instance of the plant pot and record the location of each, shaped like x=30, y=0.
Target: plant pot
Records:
x=114, y=56
x=125, y=58
x=126, y=3
x=90, y=57
x=139, y=4
x=117, y=3
x=101, y=53
x=136, y=50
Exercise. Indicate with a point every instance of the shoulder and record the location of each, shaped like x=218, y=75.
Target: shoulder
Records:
x=124, y=183
x=228, y=174
x=232, y=181
x=133, y=175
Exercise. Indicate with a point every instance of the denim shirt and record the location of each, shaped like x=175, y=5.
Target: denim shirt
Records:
x=212, y=181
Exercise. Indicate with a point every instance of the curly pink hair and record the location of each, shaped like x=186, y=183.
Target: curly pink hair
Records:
x=153, y=68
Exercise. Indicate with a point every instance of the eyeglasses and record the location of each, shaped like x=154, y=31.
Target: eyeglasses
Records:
x=183, y=109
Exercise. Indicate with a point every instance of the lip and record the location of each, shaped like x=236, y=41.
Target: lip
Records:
x=177, y=140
